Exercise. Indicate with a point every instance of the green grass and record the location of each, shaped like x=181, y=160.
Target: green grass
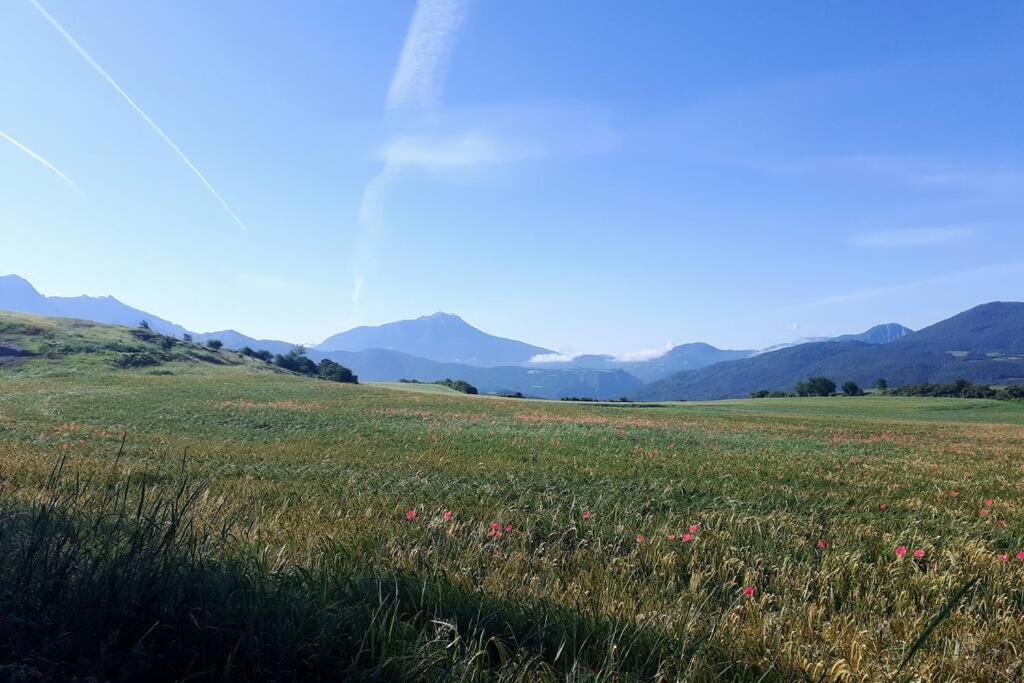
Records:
x=226, y=521
x=883, y=408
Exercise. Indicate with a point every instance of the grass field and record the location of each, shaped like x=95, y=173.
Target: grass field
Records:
x=210, y=518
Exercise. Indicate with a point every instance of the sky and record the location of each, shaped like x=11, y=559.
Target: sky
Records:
x=589, y=177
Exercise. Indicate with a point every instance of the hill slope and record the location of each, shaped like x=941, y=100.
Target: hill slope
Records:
x=441, y=337
x=27, y=338
x=984, y=344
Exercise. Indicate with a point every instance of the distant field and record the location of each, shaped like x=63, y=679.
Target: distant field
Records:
x=880, y=408
x=258, y=523
x=414, y=387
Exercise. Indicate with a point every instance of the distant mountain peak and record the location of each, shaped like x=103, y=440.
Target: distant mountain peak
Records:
x=441, y=337
x=12, y=281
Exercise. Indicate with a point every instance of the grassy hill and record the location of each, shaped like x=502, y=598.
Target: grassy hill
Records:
x=211, y=518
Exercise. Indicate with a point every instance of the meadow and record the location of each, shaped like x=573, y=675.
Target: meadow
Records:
x=222, y=520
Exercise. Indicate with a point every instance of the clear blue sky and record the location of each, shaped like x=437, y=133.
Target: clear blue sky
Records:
x=599, y=177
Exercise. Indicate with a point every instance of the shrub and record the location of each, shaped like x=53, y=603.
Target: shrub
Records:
x=261, y=354
x=816, y=386
x=214, y=344
x=336, y=372
x=458, y=385
x=852, y=389
x=296, y=361
x=135, y=360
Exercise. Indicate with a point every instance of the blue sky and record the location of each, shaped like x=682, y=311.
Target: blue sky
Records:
x=592, y=177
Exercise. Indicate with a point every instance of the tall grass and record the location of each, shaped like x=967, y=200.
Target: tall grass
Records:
x=282, y=548
x=129, y=578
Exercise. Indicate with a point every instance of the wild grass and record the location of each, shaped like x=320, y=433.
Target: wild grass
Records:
x=223, y=522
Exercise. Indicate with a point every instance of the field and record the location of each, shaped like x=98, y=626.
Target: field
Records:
x=210, y=518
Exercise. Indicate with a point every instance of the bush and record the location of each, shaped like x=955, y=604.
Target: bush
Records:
x=215, y=344
x=959, y=389
x=261, y=354
x=136, y=360
x=852, y=389
x=458, y=385
x=296, y=361
x=816, y=386
x=336, y=372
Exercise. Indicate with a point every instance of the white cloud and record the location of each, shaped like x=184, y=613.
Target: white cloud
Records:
x=914, y=237
x=417, y=80
x=41, y=160
x=554, y=357
x=467, y=149
x=645, y=354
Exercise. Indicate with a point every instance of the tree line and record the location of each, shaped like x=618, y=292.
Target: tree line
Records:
x=961, y=388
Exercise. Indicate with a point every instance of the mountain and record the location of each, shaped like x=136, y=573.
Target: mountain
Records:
x=984, y=345
x=384, y=365
x=441, y=337
x=879, y=334
x=16, y=294
x=683, y=357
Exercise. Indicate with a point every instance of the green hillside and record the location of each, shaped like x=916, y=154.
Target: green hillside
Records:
x=211, y=518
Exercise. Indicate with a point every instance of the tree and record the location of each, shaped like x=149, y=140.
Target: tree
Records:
x=815, y=386
x=881, y=384
x=458, y=385
x=852, y=389
x=296, y=361
x=336, y=372
x=143, y=324
x=186, y=337
x=214, y=344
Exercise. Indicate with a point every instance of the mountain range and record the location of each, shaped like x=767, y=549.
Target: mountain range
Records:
x=985, y=345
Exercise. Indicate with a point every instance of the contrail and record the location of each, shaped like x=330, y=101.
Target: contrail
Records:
x=41, y=160
x=416, y=86
x=417, y=79
x=170, y=143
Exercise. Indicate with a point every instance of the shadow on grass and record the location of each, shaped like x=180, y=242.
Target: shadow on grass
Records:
x=121, y=579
